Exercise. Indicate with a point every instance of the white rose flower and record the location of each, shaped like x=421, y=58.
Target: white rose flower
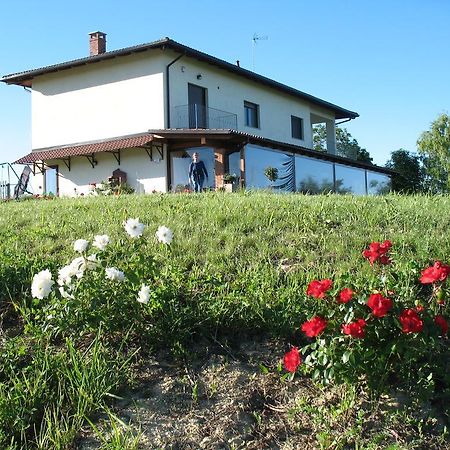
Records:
x=91, y=262
x=65, y=294
x=80, y=245
x=164, y=235
x=101, y=241
x=134, y=228
x=42, y=284
x=78, y=266
x=65, y=275
x=144, y=294
x=114, y=274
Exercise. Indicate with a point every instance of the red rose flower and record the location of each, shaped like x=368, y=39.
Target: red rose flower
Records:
x=441, y=322
x=437, y=272
x=345, y=295
x=377, y=252
x=419, y=308
x=292, y=360
x=314, y=327
x=379, y=305
x=385, y=247
x=318, y=288
x=411, y=322
x=355, y=329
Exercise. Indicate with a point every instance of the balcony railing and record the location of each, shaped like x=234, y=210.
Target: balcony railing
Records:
x=199, y=116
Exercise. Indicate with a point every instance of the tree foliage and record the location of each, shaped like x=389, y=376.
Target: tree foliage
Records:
x=346, y=144
x=434, y=145
x=410, y=173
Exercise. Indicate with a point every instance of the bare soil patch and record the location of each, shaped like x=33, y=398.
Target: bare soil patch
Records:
x=219, y=398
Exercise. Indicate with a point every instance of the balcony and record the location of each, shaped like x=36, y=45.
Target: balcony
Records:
x=199, y=116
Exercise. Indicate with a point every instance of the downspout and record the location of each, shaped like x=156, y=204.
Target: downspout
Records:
x=168, y=87
x=168, y=177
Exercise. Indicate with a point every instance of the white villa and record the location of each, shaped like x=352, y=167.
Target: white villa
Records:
x=145, y=109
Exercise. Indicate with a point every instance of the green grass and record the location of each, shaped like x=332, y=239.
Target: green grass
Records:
x=238, y=265
x=238, y=262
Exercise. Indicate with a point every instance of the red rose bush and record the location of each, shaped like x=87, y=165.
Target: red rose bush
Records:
x=374, y=332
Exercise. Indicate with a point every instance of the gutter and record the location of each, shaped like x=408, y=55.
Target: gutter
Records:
x=168, y=88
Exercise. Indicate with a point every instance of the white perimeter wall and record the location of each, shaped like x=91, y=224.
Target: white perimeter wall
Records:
x=143, y=174
x=111, y=98
x=227, y=92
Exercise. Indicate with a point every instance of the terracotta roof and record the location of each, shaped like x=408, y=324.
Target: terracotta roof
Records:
x=26, y=78
x=185, y=135
x=88, y=148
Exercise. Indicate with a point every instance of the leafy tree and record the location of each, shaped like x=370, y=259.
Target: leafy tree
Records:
x=410, y=173
x=346, y=145
x=434, y=145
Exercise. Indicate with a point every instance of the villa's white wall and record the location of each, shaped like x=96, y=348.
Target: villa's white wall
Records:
x=111, y=98
x=126, y=95
x=144, y=175
x=227, y=92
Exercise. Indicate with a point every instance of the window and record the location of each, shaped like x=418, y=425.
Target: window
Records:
x=297, y=127
x=251, y=114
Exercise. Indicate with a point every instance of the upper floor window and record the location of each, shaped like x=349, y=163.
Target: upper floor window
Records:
x=251, y=114
x=297, y=127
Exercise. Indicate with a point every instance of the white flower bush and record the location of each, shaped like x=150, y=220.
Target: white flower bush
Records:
x=144, y=294
x=80, y=245
x=42, y=284
x=164, y=235
x=101, y=241
x=93, y=288
x=134, y=228
x=114, y=274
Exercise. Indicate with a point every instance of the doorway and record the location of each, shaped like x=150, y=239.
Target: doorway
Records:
x=197, y=106
x=51, y=180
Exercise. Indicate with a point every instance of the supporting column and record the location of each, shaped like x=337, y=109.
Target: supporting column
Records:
x=219, y=166
x=242, y=180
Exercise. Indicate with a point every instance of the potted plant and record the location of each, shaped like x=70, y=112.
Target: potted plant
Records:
x=229, y=182
x=271, y=174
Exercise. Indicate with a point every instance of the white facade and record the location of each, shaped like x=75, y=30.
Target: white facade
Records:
x=227, y=92
x=128, y=94
x=144, y=175
x=111, y=98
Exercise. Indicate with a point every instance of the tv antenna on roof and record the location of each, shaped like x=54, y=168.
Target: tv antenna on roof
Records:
x=255, y=40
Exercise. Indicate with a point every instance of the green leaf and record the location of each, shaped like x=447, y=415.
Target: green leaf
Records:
x=346, y=357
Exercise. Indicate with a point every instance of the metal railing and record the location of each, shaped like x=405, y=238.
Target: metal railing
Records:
x=200, y=116
x=13, y=181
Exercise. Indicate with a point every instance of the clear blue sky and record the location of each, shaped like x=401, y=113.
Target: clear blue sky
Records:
x=388, y=60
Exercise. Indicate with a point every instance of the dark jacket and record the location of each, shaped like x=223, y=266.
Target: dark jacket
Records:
x=197, y=171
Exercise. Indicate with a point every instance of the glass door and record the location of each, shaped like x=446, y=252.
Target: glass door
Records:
x=197, y=106
x=51, y=180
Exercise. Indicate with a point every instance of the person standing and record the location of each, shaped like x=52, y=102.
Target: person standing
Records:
x=197, y=173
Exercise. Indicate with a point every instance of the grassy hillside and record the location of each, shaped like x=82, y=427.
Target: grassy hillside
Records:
x=238, y=267
x=251, y=254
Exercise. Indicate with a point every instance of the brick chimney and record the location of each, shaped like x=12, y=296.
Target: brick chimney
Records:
x=97, y=43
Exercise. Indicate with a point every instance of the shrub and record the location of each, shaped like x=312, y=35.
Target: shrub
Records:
x=378, y=334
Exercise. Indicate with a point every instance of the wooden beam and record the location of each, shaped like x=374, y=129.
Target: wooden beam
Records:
x=92, y=160
x=67, y=161
x=116, y=155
